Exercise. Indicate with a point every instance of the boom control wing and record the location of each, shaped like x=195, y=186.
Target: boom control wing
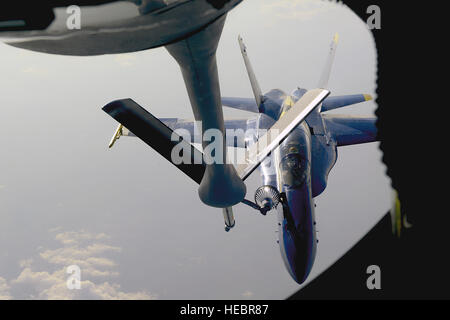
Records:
x=154, y=133
x=257, y=152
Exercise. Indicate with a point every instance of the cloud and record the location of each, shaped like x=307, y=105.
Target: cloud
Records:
x=72, y=237
x=45, y=285
x=26, y=263
x=86, y=250
x=91, y=291
x=4, y=290
x=247, y=294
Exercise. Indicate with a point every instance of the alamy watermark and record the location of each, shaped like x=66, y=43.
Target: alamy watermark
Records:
x=73, y=21
x=374, y=20
x=214, y=145
x=374, y=280
x=74, y=280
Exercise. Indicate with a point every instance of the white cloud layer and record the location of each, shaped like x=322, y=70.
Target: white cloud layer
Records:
x=86, y=250
x=4, y=290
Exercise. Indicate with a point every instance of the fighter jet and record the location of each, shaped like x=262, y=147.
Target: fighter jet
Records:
x=292, y=139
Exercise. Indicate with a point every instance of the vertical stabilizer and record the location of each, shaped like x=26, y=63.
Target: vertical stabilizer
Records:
x=314, y=120
x=251, y=74
x=323, y=82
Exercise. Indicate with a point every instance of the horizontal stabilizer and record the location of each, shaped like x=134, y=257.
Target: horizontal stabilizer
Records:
x=256, y=153
x=336, y=102
x=348, y=130
x=154, y=133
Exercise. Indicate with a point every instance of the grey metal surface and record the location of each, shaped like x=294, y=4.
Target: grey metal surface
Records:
x=157, y=28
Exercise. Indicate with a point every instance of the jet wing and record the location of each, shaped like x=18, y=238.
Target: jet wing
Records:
x=194, y=134
x=245, y=104
x=348, y=130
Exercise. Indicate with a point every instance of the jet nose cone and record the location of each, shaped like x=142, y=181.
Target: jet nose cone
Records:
x=298, y=245
x=298, y=259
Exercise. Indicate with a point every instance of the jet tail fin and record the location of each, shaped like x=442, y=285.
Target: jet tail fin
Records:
x=258, y=151
x=314, y=120
x=251, y=74
x=323, y=82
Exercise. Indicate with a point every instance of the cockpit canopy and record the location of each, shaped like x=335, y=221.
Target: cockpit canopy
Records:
x=293, y=170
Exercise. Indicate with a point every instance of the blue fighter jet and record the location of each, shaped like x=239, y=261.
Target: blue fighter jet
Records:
x=294, y=163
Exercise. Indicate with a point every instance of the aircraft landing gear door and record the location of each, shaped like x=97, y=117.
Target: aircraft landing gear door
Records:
x=229, y=218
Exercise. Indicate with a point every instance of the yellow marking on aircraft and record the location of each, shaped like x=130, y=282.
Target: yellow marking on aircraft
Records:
x=287, y=104
x=116, y=135
x=336, y=38
x=396, y=215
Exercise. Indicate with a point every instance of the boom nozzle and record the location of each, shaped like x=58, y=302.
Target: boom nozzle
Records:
x=229, y=218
